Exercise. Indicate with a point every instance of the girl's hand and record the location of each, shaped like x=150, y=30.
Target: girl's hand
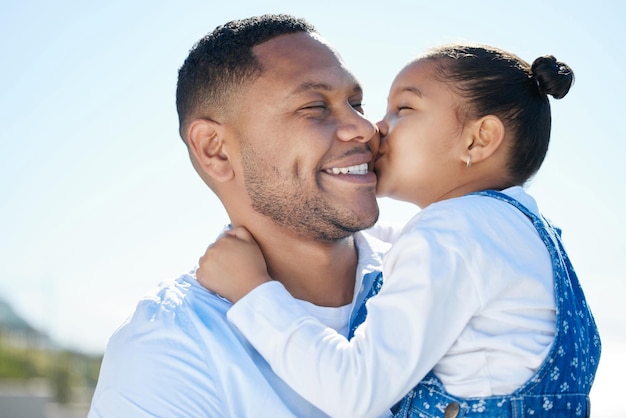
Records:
x=233, y=265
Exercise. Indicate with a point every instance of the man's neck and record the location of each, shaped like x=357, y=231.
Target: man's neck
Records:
x=322, y=273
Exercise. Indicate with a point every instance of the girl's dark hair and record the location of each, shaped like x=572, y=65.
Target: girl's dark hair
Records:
x=496, y=82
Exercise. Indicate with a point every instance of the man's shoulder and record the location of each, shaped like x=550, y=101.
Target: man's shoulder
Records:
x=168, y=350
x=174, y=307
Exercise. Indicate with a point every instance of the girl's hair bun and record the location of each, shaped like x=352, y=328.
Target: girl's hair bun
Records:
x=553, y=77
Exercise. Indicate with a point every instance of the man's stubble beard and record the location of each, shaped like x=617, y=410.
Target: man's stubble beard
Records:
x=289, y=203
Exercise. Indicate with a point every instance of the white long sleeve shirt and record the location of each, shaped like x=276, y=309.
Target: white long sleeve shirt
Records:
x=178, y=356
x=468, y=292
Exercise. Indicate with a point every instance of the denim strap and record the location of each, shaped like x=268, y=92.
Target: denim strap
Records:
x=361, y=313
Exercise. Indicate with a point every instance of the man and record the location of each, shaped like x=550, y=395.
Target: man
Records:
x=274, y=126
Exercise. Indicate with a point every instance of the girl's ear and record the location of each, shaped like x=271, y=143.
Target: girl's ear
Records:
x=205, y=139
x=486, y=137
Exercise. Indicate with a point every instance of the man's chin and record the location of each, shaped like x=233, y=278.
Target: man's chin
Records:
x=365, y=221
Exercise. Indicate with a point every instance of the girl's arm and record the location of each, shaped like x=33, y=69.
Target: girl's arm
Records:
x=411, y=324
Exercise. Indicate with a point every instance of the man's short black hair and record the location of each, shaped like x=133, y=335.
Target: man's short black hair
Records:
x=223, y=61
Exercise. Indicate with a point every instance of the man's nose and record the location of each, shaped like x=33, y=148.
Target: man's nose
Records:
x=357, y=128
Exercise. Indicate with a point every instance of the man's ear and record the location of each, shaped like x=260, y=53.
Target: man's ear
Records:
x=205, y=139
x=485, y=138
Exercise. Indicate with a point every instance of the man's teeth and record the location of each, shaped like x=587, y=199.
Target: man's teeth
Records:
x=355, y=169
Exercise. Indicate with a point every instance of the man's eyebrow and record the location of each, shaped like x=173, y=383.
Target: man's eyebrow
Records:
x=320, y=86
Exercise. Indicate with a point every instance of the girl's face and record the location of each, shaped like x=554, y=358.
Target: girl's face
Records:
x=422, y=149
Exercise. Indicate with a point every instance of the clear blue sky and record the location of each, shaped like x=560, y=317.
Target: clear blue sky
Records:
x=99, y=202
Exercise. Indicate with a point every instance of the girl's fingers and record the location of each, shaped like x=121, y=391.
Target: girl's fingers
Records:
x=242, y=233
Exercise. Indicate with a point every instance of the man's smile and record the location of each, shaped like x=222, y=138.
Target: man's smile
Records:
x=360, y=169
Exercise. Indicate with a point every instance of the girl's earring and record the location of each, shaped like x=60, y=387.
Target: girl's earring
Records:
x=468, y=163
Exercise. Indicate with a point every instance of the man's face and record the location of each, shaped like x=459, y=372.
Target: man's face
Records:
x=304, y=141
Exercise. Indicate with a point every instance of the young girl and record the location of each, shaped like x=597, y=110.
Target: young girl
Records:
x=481, y=311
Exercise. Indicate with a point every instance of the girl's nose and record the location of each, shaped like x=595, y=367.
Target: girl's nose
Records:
x=383, y=128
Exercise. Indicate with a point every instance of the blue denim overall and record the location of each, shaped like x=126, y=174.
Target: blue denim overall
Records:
x=561, y=385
